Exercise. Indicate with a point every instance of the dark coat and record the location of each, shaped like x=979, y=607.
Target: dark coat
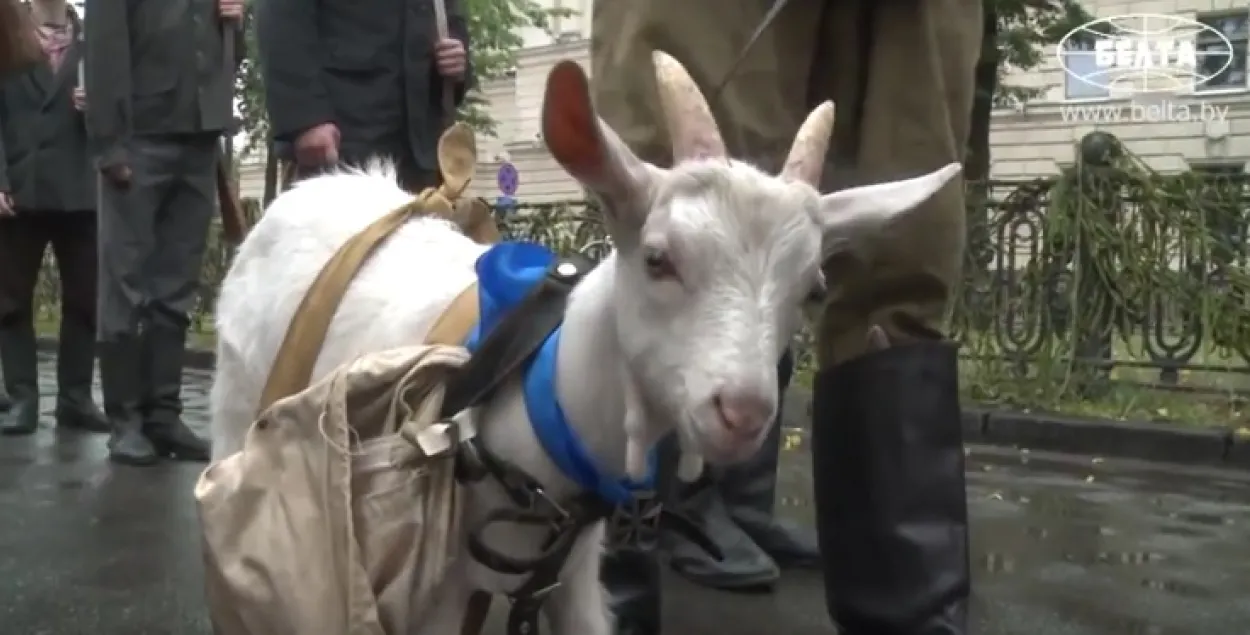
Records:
x=157, y=67
x=44, y=162
x=365, y=65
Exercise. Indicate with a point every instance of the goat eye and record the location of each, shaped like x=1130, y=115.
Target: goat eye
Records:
x=657, y=264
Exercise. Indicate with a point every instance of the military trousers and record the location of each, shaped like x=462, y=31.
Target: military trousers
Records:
x=901, y=76
x=153, y=233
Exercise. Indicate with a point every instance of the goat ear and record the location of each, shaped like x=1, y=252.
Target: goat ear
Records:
x=591, y=152
x=849, y=216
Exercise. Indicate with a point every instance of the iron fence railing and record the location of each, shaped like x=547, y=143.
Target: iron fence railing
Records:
x=1119, y=275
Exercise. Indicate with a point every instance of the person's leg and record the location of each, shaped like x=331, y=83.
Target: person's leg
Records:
x=758, y=116
x=74, y=245
x=182, y=224
x=750, y=493
x=23, y=240
x=887, y=447
x=127, y=217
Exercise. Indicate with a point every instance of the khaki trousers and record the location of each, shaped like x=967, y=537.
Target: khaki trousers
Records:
x=901, y=75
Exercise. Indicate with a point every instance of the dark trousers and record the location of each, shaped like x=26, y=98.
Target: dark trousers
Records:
x=23, y=241
x=153, y=233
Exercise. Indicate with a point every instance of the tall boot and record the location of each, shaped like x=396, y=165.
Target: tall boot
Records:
x=164, y=352
x=745, y=567
x=20, y=356
x=750, y=493
x=5, y=402
x=892, y=512
x=631, y=578
x=75, y=364
x=121, y=377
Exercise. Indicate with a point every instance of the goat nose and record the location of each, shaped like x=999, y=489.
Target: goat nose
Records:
x=744, y=413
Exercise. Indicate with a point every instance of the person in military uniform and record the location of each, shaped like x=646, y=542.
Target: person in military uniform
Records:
x=47, y=197
x=160, y=88
x=348, y=81
x=886, y=429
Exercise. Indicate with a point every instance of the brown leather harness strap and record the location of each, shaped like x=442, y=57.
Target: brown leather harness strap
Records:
x=293, y=368
x=475, y=616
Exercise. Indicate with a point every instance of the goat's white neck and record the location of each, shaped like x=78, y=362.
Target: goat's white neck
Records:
x=589, y=385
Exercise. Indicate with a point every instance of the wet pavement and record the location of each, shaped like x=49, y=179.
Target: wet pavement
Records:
x=1062, y=545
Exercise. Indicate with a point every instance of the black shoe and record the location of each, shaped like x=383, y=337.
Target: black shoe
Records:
x=121, y=377
x=75, y=364
x=5, y=402
x=164, y=351
x=750, y=493
x=173, y=439
x=887, y=448
x=632, y=580
x=80, y=415
x=19, y=355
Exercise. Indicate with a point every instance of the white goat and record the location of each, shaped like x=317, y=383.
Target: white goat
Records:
x=714, y=262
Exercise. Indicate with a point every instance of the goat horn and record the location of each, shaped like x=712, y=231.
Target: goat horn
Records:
x=691, y=126
x=807, y=155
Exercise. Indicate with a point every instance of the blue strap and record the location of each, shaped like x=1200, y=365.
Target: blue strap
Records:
x=506, y=273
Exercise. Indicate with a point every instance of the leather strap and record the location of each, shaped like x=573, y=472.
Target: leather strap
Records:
x=292, y=370
x=475, y=615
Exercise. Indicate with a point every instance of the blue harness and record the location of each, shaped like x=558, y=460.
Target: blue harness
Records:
x=506, y=273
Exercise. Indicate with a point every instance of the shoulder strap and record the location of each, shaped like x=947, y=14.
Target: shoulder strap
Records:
x=520, y=333
x=293, y=367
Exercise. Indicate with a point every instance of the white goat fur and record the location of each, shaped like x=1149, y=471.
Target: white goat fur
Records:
x=746, y=247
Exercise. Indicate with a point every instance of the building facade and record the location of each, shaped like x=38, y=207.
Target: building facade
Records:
x=1207, y=127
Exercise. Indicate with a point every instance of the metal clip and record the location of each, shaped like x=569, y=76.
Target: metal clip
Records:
x=438, y=438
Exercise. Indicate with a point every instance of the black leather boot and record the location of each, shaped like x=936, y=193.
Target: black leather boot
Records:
x=20, y=356
x=750, y=493
x=75, y=364
x=745, y=567
x=164, y=351
x=632, y=579
x=5, y=402
x=892, y=513
x=121, y=377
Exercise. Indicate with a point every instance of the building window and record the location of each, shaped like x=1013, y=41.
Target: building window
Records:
x=1213, y=55
x=1083, y=79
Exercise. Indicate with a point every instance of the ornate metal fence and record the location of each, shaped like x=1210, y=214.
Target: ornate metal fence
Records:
x=1066, y=280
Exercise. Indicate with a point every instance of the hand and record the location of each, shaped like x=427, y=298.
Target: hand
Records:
x=318, y=146
x=119, y=175
x=6, y=205
x=80, y=100
x=450, y=58
x=230, y=9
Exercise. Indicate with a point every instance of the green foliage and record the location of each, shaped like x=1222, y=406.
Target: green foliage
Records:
x=494, y=33
x=1110, y=272
x=1027, y=34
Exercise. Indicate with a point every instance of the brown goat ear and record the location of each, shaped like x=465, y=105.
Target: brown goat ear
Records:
x=592, y=153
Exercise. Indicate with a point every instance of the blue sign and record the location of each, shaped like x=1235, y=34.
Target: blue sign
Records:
x=504, y=205
x=508, y=179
